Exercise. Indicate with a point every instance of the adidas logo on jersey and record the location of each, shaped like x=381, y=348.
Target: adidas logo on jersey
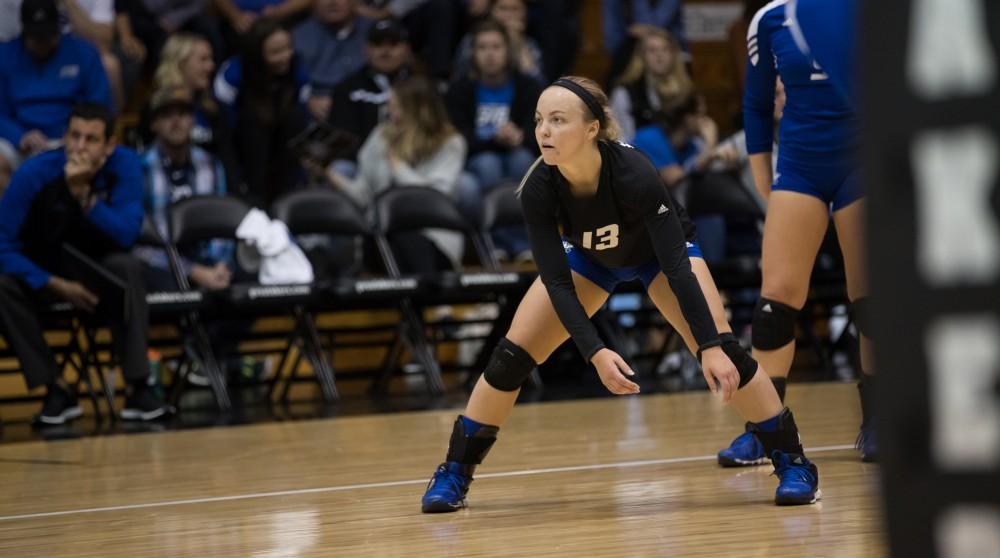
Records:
x=767, y=308
x=663, y=209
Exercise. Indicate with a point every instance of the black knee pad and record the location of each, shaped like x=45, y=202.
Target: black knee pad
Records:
x=745, y=364
x=509, y=366
x=773, y=324
x=861, y=314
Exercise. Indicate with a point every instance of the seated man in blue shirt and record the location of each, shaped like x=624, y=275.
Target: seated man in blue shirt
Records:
x=87, y=195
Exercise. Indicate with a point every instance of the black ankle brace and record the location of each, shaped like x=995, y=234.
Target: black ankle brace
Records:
x=470, y=450
x=784, y=439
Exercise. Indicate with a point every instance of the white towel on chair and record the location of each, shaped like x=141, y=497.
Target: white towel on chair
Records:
x=282, y=261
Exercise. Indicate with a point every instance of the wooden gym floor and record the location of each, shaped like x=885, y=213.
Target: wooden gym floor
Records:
x=602, y=477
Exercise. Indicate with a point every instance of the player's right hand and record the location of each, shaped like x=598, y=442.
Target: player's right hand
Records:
x=612, y=369
x=717, y=367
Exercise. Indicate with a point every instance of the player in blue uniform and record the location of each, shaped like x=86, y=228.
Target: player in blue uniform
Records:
x=823, y=30
x=599, y=214
x=816, y=175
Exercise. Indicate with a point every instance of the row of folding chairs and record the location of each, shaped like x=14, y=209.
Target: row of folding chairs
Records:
x=323, y=211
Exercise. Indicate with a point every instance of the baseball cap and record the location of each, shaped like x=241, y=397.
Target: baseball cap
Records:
x=39, y=19
x=387, y=30
x=168, y=97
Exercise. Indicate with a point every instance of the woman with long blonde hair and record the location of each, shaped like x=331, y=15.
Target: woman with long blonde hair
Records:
x=416, y=146
x=655, y=81
x=598, y=214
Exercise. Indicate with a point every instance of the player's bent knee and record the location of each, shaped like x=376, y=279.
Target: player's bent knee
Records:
x=745, y=364
x=773, y=324
x=509, y=366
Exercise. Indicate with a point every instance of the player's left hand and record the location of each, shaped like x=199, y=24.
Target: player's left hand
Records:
x=613, y=369
x=717, y=367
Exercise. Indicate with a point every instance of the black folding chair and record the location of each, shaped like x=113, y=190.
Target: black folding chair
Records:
x=414, y=208
x=333, y=214
x=182, y=308
x=194, y=220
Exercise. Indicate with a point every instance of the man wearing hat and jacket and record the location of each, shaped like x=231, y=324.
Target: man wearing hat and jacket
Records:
x=86, y=195
x=174, y=169
x=359, y=101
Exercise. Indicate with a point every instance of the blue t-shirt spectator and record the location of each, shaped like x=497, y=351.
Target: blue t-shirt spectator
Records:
x=40, y=96
x=652, y=141
x=492, y=108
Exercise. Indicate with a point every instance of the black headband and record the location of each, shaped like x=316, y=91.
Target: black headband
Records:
x=585, y=96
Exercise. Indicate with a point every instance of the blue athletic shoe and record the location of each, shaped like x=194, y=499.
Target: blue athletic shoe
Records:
x=867, y=444
x=798, y=479
x=746, y=450
x=447, y=489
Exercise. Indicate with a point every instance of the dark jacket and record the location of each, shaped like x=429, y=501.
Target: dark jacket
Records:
x=37, y=214
x=359, y=102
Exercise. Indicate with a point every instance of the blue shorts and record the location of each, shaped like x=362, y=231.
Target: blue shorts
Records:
x=834, y=181
x=609, y=278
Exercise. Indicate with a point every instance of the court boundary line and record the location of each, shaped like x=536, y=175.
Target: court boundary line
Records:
x=388, y=484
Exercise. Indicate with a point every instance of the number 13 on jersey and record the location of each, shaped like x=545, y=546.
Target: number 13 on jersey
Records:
x=607, y=238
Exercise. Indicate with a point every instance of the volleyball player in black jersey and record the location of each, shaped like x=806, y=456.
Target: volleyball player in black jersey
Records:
x=599, y=214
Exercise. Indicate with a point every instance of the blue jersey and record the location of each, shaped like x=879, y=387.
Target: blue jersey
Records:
x=816, y=119
x=822, y=29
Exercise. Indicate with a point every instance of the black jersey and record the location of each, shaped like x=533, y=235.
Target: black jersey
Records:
x=630, y=221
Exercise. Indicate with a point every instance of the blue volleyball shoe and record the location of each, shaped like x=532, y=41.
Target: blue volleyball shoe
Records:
x=745, y=451
x=798, y=479
x=867, y=444
x=447, y=489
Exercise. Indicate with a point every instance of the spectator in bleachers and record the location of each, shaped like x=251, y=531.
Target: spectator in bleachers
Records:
x=175, y=169
x=187, y=61
x=89, y=195
x=238, y=16
x=359, y=102
x=493, y=106
x=43, y=74
x=331, y=46
x=431, y=25
x=555, y=27
x=680, y=141
x=264, y=92
x=89, y=19
x=655, y=80
x=417, y=146
x=524, y=54
x=149, y=23
x=682, y=144
x=626, y=22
